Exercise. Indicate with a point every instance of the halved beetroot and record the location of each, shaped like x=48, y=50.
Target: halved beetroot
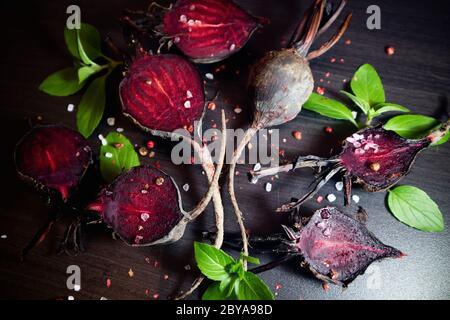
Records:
x=53, y=157
x=208, y=31
x=143, y=206
x=338, y=248
x=379, y=158
x=162, y=93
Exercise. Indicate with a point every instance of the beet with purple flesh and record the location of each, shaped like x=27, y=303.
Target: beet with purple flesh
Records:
x=208, y=31
x=143, y=206
x=53, y=157
x=162, y=93
x=338, y=248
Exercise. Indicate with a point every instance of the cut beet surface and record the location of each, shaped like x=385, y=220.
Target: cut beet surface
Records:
x=339, y=248
x=53, y=157
x=143, y=207
x=379, y=158
x=162, y=93
x=208, y=31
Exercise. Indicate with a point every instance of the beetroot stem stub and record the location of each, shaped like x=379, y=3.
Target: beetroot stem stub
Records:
x=53, y=157
x=338, y=248
x=142, y=206
x=162, y=93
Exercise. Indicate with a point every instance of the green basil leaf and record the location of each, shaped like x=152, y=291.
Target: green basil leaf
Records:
x=329, y=108
x=214, y=293
x=227, y=286
x=415, y=208
x=83, y=54
x=117, y=156
x=366, y=84
x=62, y=83
x=92, y=105
x=362, y=104
x=212, y=262
x=85, y=72
x=90, y=38
x=251, y=287
x=388, y=107
x=411, y=126
x=250, y=259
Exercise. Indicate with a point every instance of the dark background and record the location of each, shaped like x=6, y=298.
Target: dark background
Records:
x=417, y=76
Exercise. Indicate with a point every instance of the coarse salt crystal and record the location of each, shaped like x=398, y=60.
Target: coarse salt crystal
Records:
x=339, y=185
x=186, y=187
x=187, y=104
x=183, y=18
x=70, y=298
x=237, y=110
x=108, y=155
x=119, y=129
x=4, y=236
x=232, y=47
x=355, y=198
x=209, y=76
x=189, y=94
x=331, y=197
x=111, y=121
x=354, y=114
x=70, y=107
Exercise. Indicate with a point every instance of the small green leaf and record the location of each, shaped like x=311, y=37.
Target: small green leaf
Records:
x=212, y=262
x=83, y=54
x=366, y=84
x=411, y=126
x=92, y=105
x=214, y=293
x=62, y=83
x=85, y=72
x=415, y=208
x=387, y=107
x=227, y=286
x=121, y=156
x=329, y=108
x=363, y=105
x=251, y=287
x=90, y=38
x=443, y=140
x=250, y=259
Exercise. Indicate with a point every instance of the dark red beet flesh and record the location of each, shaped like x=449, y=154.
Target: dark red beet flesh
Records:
x=162, y=93
x=54, y=157
x=141, y=205
x=339, y=248
x=379, y=158
x=208, y=30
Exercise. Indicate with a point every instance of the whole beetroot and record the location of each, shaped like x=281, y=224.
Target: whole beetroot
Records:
x=281, y=82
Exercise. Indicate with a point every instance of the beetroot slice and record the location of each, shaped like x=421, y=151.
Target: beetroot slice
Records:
x=379, y=158
x=162, y=93
x=208, y=30
x=53, y=157
x=142, y=206
x=339, y=248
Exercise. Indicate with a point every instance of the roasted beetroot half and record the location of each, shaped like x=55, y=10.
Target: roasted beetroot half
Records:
x=338, y=248
x=53, y=158
x=374, y=158
x=143, y=206
x=208, y=31
x=162, y=93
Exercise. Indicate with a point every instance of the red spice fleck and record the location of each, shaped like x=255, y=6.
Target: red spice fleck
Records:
x=156, y=296
x=156, y=264
x=319, y=199
x=341, y=60
x=320, y=90
x=146, y=292
x=278, y=286
x=108, y=282
x=328, y=130
x=328, y=74
x=390, y=50
x=297, y=135
x=325, y=286
x=282, y=152
x=211, y=106
x=150, y=144
x=333, y=60
x=157, y=165
x=166, y=276
x=348, y=42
